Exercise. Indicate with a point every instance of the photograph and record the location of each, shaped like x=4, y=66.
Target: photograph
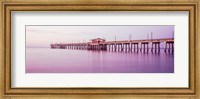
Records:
x=100, y=49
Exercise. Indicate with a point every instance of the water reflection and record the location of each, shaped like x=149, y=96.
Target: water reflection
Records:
x=45, y=60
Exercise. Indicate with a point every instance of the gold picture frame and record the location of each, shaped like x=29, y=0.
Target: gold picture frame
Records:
x=100, y=5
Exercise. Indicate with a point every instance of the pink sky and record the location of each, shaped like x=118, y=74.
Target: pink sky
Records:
x=42, y=36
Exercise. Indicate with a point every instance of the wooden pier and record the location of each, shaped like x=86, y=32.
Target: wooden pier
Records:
x=126, y=45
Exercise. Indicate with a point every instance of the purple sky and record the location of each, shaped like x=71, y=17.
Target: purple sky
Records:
x=42, y=36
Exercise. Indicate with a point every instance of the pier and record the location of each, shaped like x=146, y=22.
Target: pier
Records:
x=125, y=45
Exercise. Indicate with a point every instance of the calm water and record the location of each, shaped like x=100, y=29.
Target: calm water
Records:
x=46, y=60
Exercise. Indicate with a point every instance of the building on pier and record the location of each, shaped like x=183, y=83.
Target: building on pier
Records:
x=98, y=40
x=97, y=44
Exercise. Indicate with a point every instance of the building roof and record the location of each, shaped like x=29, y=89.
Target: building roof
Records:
x=98, y=39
